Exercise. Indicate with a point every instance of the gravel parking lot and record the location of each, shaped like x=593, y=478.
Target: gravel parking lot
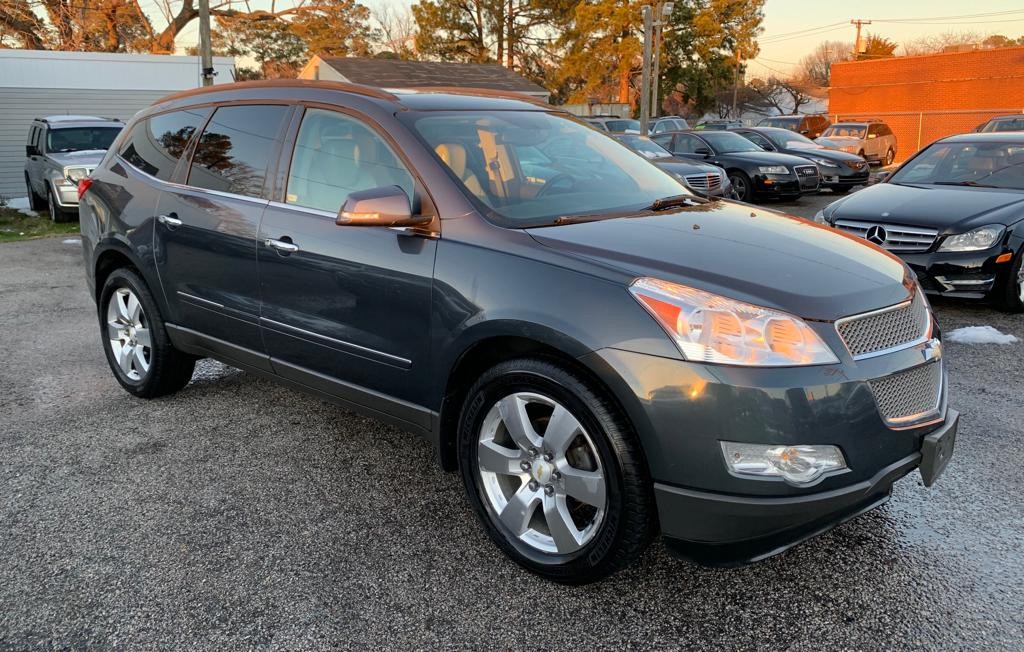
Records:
x=238, y=514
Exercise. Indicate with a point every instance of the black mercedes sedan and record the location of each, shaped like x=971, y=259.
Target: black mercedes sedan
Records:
x=840, y=171
x=954, y=213
x=753, y=172
x=702, y=178
x=602, y=356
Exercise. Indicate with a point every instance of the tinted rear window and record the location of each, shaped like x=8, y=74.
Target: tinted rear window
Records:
x=155, y=144
x=234, y=149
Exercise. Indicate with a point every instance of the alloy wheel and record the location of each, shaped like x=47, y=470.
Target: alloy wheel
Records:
x=1020, y=281
x=51, y=205
x=129, y=335
x=540, y=474
x=739, y=185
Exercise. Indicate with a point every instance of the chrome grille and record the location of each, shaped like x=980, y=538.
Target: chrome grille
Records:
x=906, y=239
x=882, y=330
x=708, y=181
x=808, y=175
x=909, y=396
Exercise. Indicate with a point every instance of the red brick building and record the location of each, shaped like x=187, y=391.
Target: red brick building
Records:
x=927, y=97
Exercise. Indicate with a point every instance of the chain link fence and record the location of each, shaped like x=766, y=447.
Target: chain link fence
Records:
x=915, y=130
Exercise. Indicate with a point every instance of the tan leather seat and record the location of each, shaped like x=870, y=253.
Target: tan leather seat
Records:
x=454, y=155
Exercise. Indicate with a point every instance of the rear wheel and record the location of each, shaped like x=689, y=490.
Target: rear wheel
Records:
x=554, y=472
x=34, y=201
x=741, y=185
x=1011, y=296
x=890, y=156
x=138, y=349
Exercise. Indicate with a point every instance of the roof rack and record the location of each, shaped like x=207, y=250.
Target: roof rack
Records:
x=358, y=89
x=480, y=92
x=53, y=119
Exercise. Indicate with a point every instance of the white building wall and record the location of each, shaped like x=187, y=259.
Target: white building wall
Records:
x=41, y=83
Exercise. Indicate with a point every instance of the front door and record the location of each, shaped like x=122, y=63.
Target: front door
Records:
x=205, y=237
x=346, y=309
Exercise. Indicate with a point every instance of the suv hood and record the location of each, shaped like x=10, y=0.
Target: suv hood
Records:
x=86, y=157
x=758, y=256
x=946, y=208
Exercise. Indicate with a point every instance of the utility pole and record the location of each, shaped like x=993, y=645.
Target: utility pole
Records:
x=856, y=44
x=735, y=81
x=205, y=46
x=664, y=12
x=645, y=76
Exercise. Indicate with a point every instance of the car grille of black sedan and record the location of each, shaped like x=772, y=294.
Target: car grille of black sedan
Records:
x=909, y=397
x=708, y=181
x=880, y=331
x=809, y=177
x=898, y=239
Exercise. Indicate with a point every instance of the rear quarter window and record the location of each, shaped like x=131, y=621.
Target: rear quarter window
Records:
x=155, y=144
x=235, y=148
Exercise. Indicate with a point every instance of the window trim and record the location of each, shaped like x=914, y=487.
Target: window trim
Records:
x=125, y=137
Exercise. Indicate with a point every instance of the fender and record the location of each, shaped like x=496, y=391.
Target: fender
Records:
x=116, y=242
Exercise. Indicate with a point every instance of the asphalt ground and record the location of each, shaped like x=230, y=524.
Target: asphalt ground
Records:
x=241, y=515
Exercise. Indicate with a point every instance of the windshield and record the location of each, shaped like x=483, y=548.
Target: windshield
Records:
x=726, y=142
x=849, y=131
x=784, y=123
x=998, y=165
x=528, y=168
x=645, y=147
x=1004, y=124
x=76, y=139
x=623, y=125
x=791, y=140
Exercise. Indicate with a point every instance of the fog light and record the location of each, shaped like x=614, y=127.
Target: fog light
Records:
x=796, y=464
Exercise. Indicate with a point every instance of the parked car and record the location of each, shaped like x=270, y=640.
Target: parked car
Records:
x=871, y=140
x=840, y=171
x=954, y=213
x=61, y=150
x=702, y=178
x=600, y=354
x=811, y=125
x=713, y=125
x=754, y=173
x=615, y=124
x=1002, y=123
x=666, y=123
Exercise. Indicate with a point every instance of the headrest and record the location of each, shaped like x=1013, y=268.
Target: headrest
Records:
x=454, y=156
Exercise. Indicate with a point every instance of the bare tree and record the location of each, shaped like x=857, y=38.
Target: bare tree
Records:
x=785, y=96
x=945, y=42
x=397, y=27
x=816, y=67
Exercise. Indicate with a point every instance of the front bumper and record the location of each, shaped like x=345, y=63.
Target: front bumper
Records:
x=683, y=410
x=844, y=178
x=777, y=185
x=969, y=274
x=66, y=195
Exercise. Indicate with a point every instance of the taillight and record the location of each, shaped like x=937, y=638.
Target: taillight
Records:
x=83, y=185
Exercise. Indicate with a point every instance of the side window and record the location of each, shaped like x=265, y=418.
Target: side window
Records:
x=665, y=141
x=155, y=144
x=686, y=144
x=235, y=147
x=336, y=155
x=885, y=130
x=872, y=131
x=758, y=140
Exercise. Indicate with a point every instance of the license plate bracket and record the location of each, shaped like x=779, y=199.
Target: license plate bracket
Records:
x=937, y=449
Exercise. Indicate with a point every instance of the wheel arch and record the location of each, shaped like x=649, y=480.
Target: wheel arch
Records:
x=115, y=254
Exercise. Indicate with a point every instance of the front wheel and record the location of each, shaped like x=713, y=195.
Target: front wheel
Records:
x=1010, y=297
x=741, y=186
x=890, y=156
x=137, y=346
x=554, y=472
x=57, y=214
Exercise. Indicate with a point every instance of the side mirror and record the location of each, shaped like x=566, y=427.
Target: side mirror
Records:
x=384, y=206
x=31, y=150
x=703, y=151
x=880, y=177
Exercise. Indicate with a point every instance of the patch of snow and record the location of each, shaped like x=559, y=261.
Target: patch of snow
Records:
x=979, y=335
x=71, y=241
x=21, y=205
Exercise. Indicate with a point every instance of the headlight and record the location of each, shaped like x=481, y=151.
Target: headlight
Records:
x=773, y=169
x=711, y=328
x=825, y=162
x=980, y=238
x=849, y=148
x=75, y=175
x=795, y=464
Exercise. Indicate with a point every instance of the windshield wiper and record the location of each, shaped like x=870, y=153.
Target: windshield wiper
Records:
x=676, y=200
x=657, y=205
x=972, y=184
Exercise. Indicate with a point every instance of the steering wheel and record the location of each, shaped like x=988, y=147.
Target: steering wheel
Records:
x=555, y=180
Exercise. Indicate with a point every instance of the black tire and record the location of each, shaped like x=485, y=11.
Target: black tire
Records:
x=170, y=369
x=742, y=185
x=1008, y=296
x=57, y=214
x=890, y=156
x=34, y=201
x=629, y=521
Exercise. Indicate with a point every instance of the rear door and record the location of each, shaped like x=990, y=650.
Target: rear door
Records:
x=33, y=163
x=205, y=238
x=346, y=309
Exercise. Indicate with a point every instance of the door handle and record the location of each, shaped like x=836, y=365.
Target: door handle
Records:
x=284, y=247
x=170, y=220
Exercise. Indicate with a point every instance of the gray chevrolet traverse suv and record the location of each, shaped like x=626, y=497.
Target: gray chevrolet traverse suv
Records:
x=62, y=150
x=602, y=355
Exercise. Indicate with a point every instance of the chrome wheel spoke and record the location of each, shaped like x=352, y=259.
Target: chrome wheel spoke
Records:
x=517, y=422
x=121, y=300
x=139, y=360
x=563, y=530
x=585, y=486
x=520, y=508
x=496, y=458
x=124, y=358
x=142, y=337
x=561, y=431
x=115, y=331
x=134, y=309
